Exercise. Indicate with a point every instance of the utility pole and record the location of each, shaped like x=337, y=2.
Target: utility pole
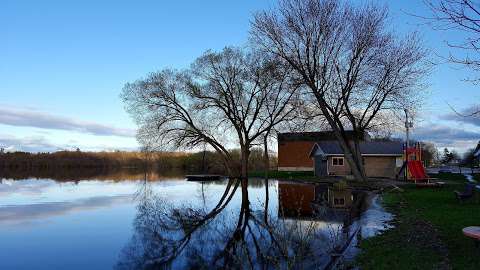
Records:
x=408, y=125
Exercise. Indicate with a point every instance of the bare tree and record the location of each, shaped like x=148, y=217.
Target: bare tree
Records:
x=283, y=101
x=354, y=68
x=460, y=16
x=231, y=94
x=463, y=16
x=162, y=107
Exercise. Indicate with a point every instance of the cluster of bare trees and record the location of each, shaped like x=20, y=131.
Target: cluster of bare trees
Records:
x=234, y=93
x=310, y=61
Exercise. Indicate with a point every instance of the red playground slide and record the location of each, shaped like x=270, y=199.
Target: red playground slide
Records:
x=417, y=172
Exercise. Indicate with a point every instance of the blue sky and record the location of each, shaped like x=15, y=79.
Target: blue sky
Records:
x=64, y=63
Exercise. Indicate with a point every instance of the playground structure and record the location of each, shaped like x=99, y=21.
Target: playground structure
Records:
x=412, y=167
x=414, y=170
x=413, y=163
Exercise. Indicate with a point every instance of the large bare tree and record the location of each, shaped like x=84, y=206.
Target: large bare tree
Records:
x=235, y=93
x=353, y=66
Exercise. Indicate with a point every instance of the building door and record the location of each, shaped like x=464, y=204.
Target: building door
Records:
x=321, y=166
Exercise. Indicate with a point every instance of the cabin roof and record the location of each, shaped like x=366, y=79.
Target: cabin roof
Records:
x=316, y=136
x=327, y=148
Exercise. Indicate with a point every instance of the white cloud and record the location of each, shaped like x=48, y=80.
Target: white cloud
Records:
x=27, y=144
x=42, y=144
x=466, y=116
x=33, y=118
x=447, y=136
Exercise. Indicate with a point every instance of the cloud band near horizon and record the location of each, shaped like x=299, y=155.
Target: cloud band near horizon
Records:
x=29, y=118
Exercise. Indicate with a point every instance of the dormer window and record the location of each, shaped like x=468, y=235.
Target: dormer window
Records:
x=337, y=161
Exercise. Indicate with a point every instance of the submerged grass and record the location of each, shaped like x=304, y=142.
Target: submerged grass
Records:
x=428, y=230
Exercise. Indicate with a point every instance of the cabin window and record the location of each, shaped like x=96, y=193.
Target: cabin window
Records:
x=337, y=161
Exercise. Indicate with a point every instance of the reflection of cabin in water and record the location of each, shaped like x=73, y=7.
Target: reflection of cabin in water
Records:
x=298, y=200
x=338, y=198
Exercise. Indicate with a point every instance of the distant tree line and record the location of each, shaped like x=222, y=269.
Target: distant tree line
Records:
x=431, y=156
x=195, y=162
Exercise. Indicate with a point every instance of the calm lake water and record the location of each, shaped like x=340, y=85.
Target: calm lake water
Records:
x=123, y=221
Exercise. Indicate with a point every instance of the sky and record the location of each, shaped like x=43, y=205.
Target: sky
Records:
x=63, y=65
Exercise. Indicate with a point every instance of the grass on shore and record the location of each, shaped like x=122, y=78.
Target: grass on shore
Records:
x=428, y=231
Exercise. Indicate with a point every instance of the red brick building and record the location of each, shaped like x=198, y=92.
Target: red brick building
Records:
x=294, y=148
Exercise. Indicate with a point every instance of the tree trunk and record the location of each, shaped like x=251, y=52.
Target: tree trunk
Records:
x=352, y=158
x=266, y=158
x=245, y=200
x=357, y=170
x=227, y=165
x=358, y=157
x=245, y=154
x=265, y=215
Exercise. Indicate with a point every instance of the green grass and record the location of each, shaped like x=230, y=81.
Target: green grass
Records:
x=452, y=177
x=428, y=231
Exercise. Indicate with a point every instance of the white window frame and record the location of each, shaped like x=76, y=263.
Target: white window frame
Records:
x=338, y=163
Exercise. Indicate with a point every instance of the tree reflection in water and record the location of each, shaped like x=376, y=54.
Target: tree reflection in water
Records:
x=194, y=237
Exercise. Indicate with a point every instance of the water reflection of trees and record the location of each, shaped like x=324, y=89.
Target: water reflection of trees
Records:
x=194, y=237
x=74, y=175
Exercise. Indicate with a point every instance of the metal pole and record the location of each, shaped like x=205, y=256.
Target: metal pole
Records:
x=407, y=126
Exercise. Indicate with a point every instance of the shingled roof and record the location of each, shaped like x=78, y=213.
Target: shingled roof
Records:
x=315, y=136
x=366, y=148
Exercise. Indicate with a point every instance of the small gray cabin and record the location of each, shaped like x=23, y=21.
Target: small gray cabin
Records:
x=380, y=159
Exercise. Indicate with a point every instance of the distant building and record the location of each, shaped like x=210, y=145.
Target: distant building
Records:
x=294, y=148
x=380, y=159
